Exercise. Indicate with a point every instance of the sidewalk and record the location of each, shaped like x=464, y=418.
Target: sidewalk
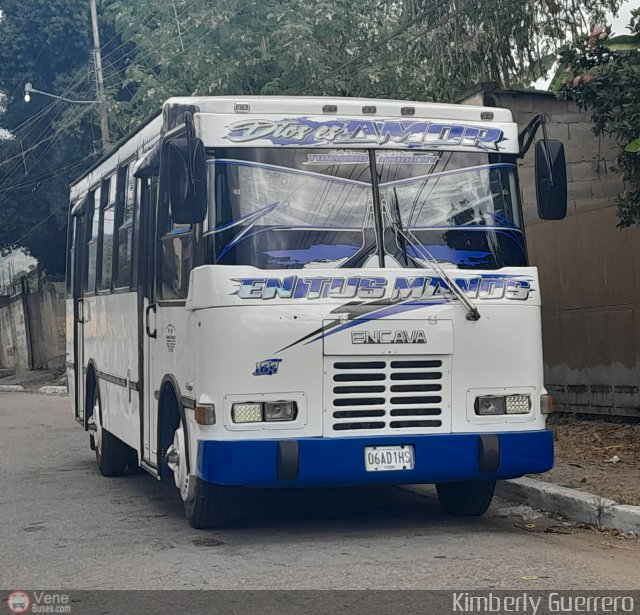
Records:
x=33, y=380
x=596, y=477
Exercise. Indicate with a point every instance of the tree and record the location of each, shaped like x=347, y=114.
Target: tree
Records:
x=602, y=74
x=277, y=47
x=46, y=42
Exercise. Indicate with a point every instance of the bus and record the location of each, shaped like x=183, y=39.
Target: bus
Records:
x=308, y=292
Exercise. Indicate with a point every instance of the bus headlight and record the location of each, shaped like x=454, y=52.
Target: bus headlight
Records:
x=280, y=410
x=518, y=404
x=246, y=413
x=489, y=405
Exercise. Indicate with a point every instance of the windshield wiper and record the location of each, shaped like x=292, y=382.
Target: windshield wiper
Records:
x=407, y=236
x=472, y=311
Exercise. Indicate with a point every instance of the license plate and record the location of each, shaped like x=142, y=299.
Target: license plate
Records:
x=388, y=458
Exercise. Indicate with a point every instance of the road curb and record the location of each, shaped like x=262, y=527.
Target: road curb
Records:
x=571, y=503
x=51, y=390
x=11, y=388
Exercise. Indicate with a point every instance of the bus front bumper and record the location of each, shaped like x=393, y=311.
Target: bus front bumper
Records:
x=316, y=462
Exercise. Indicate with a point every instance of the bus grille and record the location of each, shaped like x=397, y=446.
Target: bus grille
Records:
x=391, y=395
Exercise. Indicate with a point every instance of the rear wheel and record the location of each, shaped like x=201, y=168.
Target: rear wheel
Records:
x=205, y=504
x=468, y=498
x=112, y=454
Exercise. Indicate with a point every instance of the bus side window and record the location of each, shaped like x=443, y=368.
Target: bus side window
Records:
x=125, y=216
x=71, y=249
x=108, y=209
x=93, y=226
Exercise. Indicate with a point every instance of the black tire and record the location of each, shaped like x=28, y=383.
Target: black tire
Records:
x=209, y=505
x=132, y=461
x=112, y=459
x=466, y=499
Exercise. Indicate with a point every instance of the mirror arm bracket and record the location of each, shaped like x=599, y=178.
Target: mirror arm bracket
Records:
x=528, y=134
x=526, y=137
x=543, y=122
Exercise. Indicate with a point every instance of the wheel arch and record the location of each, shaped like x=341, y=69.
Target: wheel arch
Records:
x=91, y=376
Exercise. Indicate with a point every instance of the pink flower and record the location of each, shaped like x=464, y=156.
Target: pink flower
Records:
x=621, y=178
x=576, y=81
x=587, y=78
x=597, y=31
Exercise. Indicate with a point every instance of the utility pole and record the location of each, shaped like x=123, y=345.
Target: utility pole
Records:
x=104, y=118
x=175, y=12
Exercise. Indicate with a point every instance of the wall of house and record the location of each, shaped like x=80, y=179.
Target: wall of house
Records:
x=589, y=269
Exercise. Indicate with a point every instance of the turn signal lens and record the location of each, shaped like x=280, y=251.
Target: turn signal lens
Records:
x=205, y=414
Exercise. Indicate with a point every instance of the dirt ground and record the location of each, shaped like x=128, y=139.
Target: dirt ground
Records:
x=597, y=456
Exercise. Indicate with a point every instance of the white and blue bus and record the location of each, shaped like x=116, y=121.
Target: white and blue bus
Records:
x=286, y=292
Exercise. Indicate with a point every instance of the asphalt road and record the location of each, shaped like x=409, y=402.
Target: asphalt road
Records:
x=63, y=525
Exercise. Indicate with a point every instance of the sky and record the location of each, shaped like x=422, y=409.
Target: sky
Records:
x=620, y=22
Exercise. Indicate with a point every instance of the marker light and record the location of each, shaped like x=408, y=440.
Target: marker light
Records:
x=546, y=404
x=246, y=413
x=280, y=410
x=518, y=404
x=205, y=414
x=489, y=405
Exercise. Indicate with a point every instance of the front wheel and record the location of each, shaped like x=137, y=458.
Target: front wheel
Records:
x=468, y=499
x=205, y=504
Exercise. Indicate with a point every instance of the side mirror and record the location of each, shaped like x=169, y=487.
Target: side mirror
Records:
x=186, y=175
x=551, y=180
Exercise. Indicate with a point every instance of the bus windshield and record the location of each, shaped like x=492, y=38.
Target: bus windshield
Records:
x=303, y=208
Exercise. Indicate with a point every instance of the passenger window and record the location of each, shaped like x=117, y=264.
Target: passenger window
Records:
x=108, y=221
x=93, y=227
x=125, y=221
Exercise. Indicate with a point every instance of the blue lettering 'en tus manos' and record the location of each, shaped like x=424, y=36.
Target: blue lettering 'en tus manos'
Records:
x=400, y=289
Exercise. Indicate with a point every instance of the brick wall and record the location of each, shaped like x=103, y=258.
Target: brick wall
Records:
x=589, y=269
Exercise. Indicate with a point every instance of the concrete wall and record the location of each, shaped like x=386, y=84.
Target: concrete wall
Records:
x=32, y=326
x=589, y=269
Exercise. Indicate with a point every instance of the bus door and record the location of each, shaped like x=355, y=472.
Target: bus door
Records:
x=148, y=316
x=77, y=257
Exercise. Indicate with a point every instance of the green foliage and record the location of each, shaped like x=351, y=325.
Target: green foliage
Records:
x=415, y=49
x=602, y=75
x=284, y=47
x=46, y=42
